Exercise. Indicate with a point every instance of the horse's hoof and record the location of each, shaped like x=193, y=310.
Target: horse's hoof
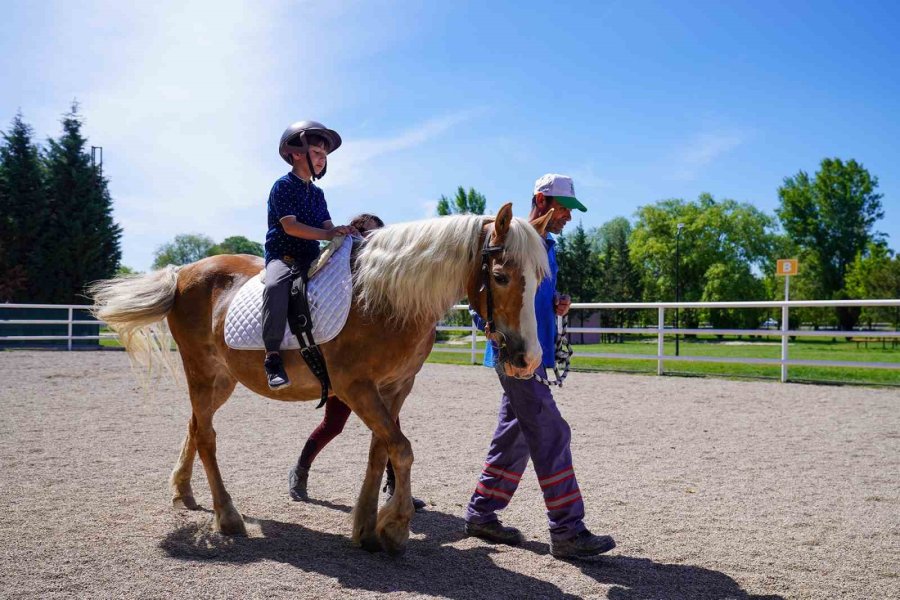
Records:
x=396, y=551
x=231, y=524
x=185, y=503
x=393, y=543
x=370, y=544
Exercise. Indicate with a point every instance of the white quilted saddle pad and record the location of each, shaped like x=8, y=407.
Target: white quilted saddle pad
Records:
x=330, y=291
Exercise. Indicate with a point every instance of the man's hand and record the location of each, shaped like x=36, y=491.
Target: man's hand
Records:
x=561, y=303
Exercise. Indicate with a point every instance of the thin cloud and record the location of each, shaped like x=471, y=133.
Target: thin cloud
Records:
x=358, y=157
x=703, y=149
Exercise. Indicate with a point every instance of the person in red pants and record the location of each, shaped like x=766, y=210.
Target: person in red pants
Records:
x=336, y=415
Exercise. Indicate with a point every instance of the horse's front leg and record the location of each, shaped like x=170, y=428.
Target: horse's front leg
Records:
x=365, y=512
x=392, y=526
x=391, y=529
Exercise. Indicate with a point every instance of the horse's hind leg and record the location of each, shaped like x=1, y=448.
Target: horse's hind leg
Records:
x=209, y=390
x=180, y=479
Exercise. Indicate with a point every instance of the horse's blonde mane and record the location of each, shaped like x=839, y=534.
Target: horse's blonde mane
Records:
x=415, y=271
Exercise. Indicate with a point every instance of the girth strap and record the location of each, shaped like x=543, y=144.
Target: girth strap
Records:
x=300, y=322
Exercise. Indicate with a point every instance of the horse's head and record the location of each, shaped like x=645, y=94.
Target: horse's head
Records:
x=512, y=263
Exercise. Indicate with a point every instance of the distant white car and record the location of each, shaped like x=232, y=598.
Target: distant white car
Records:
x=768, y=323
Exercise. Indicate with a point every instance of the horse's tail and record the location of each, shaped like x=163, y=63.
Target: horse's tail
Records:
x=134, y=306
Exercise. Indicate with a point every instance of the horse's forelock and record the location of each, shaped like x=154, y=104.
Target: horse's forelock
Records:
x=525, y=245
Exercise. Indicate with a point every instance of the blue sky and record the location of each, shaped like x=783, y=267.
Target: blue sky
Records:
x=638, y=101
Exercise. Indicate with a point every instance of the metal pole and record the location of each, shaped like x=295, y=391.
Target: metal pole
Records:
x=661, y=339
x=70, y=328
x=784, y=329
x=677, y=282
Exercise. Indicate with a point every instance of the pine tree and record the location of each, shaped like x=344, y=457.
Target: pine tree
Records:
x=578, y=270
x=463, y=203
x=24, y=212
x=86, y=240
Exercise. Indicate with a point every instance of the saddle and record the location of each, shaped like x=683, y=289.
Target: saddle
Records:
x=327, y=290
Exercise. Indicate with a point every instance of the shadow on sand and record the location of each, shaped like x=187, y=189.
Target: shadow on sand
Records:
x=431, y=566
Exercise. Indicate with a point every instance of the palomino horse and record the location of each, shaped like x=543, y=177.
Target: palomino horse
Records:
x=406, y=277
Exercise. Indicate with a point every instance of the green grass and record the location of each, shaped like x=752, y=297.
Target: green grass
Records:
x=802, y=348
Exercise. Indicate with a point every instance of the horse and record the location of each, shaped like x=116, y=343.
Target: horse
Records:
x=405, y=278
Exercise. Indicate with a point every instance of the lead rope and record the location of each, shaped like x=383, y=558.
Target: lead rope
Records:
x=562, y=357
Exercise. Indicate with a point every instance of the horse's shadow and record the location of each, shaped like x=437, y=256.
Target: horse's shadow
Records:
x=434, y=567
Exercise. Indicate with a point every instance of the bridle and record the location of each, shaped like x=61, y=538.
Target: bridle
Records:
x=486, y=253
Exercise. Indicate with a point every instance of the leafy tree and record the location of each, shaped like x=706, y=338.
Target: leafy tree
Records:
x=24, y=212
x=735, y=235
x=186, y=248
x=463, y=202
x=732, y=282
x=85, y=239
x=832, y=217
x=124, y=270
x=875, y=274
x=614, y=229
x=237, y=244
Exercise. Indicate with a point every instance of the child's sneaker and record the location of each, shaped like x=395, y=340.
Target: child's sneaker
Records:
x=275, y=372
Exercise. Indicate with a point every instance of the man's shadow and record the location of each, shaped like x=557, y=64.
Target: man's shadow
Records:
x=432, y=566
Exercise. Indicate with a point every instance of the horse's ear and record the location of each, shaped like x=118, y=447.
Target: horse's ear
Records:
x=540, y=224
x=501, y=224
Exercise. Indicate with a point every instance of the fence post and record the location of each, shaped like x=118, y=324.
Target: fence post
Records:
x=474, y=340
x=784, y=341
x=661, y=341
x=70, y=327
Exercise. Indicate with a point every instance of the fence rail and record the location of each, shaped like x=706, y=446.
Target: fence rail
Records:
x=660, y=331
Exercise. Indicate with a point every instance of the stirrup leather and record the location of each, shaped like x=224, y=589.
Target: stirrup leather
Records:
x=300, y=322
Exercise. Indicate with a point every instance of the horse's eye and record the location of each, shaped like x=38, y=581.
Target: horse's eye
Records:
x=501, y=278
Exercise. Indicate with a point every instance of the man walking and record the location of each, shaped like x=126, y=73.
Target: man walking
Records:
x=530, y=424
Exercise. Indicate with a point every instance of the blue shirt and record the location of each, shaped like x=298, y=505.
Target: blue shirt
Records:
x=292, y=196
x=544, y=311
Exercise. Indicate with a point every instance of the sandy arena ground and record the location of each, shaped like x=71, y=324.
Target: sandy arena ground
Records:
x=713, y=489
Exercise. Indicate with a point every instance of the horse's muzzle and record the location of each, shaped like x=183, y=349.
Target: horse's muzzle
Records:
x=516, y=360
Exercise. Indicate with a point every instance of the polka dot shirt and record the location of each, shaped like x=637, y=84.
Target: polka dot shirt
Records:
x=306, y=201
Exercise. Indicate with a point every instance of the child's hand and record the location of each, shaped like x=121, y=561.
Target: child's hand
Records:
x=343, y=230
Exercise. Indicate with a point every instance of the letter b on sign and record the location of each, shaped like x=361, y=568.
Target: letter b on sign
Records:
x=787, y=266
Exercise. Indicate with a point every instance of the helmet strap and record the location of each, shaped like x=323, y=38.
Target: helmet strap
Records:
x=312, y=171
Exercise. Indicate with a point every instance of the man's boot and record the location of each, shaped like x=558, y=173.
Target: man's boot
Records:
x=582, y=545
x=496, y=532
x=297, y=480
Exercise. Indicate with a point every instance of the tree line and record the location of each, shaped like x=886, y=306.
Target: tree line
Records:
x=724, y=250
x=57, y=231
x=57, y=234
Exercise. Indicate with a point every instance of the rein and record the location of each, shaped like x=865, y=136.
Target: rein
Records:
x=562, y=357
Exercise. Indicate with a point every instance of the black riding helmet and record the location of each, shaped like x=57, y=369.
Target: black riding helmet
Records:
x=295, y=140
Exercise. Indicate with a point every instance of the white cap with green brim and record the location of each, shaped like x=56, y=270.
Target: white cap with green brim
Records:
x=561, y=188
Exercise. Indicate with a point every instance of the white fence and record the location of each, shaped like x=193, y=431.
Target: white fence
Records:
x=70, y=322
x=661, y=331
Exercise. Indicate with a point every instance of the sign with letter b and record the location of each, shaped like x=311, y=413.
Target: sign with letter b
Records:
x=787, y=266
